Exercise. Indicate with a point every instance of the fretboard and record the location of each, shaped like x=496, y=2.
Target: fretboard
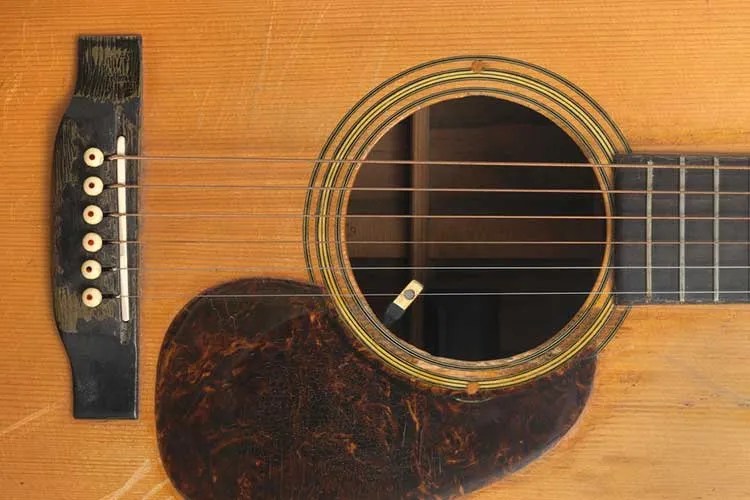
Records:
x=684, y=233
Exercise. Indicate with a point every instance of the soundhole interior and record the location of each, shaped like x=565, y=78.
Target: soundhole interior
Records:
x=494, y=287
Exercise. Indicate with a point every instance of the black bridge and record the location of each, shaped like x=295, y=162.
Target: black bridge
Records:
x=95, y=311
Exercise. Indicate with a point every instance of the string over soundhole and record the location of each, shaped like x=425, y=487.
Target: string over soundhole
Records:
x=494, y=285
x=465, y=225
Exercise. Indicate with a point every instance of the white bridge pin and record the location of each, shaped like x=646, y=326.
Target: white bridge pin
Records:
x=93, y=215
x=92, y=242
x=93, y=157
x=91, y=269
x=91, y=297
x=93, y=186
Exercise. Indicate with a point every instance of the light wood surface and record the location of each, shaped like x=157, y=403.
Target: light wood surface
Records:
x=670, y=413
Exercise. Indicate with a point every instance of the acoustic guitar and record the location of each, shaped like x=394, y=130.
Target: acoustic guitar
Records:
x=375, y=250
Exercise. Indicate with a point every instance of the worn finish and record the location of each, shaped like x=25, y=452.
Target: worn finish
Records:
x=102, y=348
x=569, y=107
x=267, y=397
x=668, y=414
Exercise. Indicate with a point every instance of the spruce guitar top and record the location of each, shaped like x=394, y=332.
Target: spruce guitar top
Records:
x=348, y=251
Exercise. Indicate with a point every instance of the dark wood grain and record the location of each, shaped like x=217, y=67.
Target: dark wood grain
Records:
x=266, y=397
x=420, y=206
x=102, y=348
x=700, y=263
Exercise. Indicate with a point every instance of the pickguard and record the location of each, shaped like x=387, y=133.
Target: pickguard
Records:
x=263, y=394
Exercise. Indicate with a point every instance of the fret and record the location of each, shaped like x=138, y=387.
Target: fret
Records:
x=699, y=259
x=734, y=283
x=649, y=230
x=666, y=227
x=683, y=257
x=716, y=230
x=633, y=262
x=682, y=228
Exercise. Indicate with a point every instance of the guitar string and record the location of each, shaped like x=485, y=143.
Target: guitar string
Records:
x=416, y=268
x=436, y=294
x=422, y=242
x=255, y=160
x=247, y=215
x=250, y=187
x=508, y=164
x=420, y=162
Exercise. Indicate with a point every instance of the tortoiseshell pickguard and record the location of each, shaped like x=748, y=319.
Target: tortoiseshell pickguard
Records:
x=268, y=397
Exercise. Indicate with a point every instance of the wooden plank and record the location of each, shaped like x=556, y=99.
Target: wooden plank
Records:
x=420, y=205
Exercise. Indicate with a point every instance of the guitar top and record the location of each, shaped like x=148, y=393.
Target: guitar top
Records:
x=375, y=250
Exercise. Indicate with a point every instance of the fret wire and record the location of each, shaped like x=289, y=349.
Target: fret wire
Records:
x=681, y=251
x=649, y=230
x=716, y=254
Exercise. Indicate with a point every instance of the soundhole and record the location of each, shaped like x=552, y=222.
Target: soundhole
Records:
x=493, y=287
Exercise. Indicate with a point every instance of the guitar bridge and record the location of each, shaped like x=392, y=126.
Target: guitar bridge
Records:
x=92, y=258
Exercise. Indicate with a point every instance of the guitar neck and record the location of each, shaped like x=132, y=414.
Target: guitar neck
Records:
x=682, y=229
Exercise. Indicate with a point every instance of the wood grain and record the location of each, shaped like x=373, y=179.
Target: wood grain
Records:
x=669, y=416
x=420, y=205
x=334, y=422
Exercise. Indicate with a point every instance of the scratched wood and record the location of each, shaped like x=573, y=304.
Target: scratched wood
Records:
x=670, y=412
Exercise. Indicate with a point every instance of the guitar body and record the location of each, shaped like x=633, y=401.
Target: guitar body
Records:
x=656, y=406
